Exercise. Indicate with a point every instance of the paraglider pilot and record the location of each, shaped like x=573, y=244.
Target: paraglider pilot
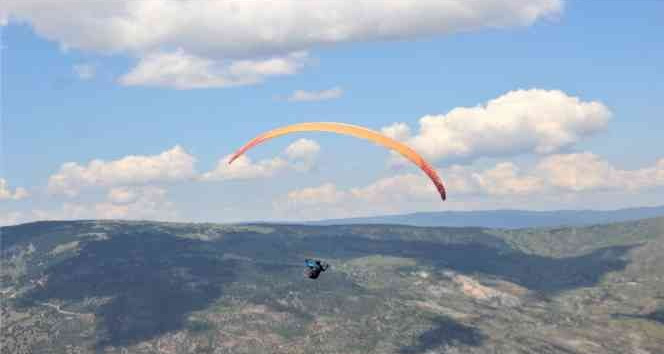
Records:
x=314, y=267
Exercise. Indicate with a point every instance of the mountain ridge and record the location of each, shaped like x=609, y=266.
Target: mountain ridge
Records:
x=502, y=218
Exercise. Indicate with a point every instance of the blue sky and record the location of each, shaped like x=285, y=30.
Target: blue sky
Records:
x=64, y=100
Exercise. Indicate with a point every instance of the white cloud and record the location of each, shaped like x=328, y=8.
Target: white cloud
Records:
x=148, y=202
x=122, y=195
x=6, y=193
x=130, y=203
x=243, y=28
x=555, y=177
x=84, y=71
x=305, y=149
x=11, y=218
x=244, y=168
x=171, y=165
x=397, y=131
x=587, y=171
x=387, y=195
x=308, y=203
x=506, y=179
x=185, y=71
x=212, y=33
x=523, y=121
x=394, y=189
x=300, y=155
x=324, y=194
x=569, y=173
x=312, y=96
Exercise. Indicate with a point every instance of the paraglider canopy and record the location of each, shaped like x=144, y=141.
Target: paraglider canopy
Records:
x=352, y=130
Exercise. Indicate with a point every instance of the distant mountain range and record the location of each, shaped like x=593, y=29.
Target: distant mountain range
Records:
x=509, y=219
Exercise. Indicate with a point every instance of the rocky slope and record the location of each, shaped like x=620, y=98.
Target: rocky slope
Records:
x=142, y=287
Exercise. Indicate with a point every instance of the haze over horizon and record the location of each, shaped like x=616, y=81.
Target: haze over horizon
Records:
x=535, y=105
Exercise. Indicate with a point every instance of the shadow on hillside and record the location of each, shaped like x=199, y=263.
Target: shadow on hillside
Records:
x=152, y=281
x=534, y=272
x=657, y=316
x=11, y=235
x=446, y=332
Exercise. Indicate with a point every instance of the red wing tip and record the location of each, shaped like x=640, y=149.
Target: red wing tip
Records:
x=443, y=194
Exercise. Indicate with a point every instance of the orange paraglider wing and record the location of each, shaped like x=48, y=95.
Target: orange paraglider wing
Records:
x=352, y=130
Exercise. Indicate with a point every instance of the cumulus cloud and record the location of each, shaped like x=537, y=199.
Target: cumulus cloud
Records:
x=307, y=203
x=397, y=131
x=171, y=165
x=587, y=171
x=185, y=71
x=505, y=179
x=146, y=202
x=122, y=195
x=84, y=71
x=300, y=155
x=522, y=121
x=7, y=194
x=130, y=203
x=324, y=194
x=574, y=175
x=209, y=34
x=569, y=173
x=311, y=96
x=244, y=168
